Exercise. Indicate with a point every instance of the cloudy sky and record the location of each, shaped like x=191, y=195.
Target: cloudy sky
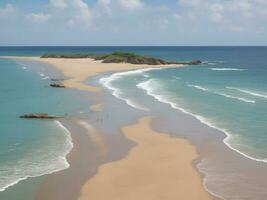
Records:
x=133, y=22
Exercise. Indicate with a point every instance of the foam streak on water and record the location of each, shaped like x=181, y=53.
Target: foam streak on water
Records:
x=222, y=94
x=253, y=93
x=107, y=82
x=227, y=69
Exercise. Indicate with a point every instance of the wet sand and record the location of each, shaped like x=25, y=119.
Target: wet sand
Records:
x=158, y=167
x=91, y=150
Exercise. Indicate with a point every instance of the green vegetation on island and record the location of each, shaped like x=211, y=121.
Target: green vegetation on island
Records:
x=121, y=57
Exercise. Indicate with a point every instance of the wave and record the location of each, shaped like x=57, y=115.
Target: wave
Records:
x=107, y=82
x=28, y=167
x=222, y=94
x=227, y=69
x=212, y=62
x=46, y=77
x=253, y=93
x=198, y=87
x=234, y=97
x=151, y=86
x=41, y=74
x=24, y=66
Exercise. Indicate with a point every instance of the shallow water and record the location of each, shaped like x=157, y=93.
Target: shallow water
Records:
x=31, y=148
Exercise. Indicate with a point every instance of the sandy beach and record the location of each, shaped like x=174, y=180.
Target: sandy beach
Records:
x=157, y=167
x=78, y=70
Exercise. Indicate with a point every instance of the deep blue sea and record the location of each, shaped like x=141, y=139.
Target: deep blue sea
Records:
x=228, y=91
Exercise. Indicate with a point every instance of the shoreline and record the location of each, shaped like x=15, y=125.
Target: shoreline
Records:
x=205, y=122
x=76, y=80
x=156, y=161
x=86, y=68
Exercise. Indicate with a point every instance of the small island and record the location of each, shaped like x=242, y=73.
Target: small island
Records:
x=122, y=57
x=39, y=116
x=57, y=85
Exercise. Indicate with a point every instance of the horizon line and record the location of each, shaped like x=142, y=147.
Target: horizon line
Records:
x=133, y=46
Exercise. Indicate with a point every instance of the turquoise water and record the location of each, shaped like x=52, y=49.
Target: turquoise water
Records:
x=30, y=148
x=228, y=92
x=234, y=101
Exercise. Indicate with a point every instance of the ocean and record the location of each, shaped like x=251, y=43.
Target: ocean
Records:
x=228, y=92
x=31, y=148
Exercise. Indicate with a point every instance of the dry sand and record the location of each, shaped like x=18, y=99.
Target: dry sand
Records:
x=158, y=167
x=96, y=107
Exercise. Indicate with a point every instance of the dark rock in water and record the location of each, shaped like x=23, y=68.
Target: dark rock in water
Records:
x=57, y=79
x=39, y=116
x=57, y=85
x=195, y=62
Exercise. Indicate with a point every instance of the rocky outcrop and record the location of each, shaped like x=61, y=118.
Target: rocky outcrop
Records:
x=57, y=79
x=57, y=85
x=39, y=116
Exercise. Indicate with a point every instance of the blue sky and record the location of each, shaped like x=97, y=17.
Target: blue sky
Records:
x=133, y=22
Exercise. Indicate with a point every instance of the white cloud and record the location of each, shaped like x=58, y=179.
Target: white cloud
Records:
x=177, y=16
x=104, y=2
x=75, y=11
x=38, y=17
x=105, y=5
x=216, y=7
x=263, y=2
x=131, y=4
x=8, y=9
x=58, y=3
x=226, y=13
x=82, y=12
x=216, y=17
x=216, y=12
x=189, y=3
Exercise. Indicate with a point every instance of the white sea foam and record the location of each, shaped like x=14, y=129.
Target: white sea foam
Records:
x=24, y=66
x=227, y=69
x=211, y=63
x=46, y=77
x=234, y=97
x=207, y=176
x=198, y=87
x=222, y=94
x=151, y=86
x=27, y=168
x=253, y=93
x=41, y=74
x=146, y=75
x=107, y=82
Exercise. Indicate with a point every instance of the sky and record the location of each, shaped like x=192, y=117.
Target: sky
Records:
x=133, y=22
